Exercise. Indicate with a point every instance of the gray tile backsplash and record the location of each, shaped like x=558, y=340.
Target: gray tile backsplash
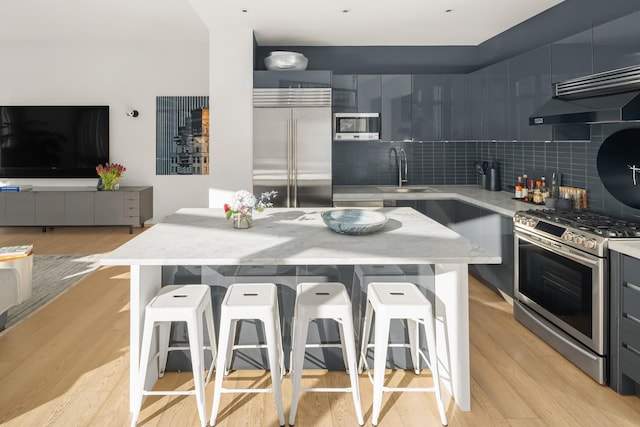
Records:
x=430, y=163
x=575, y=160
x=451, y=163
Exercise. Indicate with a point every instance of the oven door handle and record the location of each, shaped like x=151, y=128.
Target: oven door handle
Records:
x=570, y=255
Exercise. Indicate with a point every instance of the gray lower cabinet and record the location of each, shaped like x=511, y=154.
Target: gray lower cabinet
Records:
x=20, y=208
x=49, y=206
x=488, y=229
x=79, y=208
x=624, y=343
x=109, y=208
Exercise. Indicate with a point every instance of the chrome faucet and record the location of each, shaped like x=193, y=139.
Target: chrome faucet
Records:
x=402, y=164
x=403, y=156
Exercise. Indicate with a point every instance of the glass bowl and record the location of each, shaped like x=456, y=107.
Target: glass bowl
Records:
x=355, y=222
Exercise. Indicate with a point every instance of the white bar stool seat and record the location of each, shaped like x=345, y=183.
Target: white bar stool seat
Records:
x=401, y=301
x=323, y=301
x=250, y=301
x=178, y=303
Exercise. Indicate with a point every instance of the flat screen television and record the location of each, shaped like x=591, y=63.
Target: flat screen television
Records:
x=53, y=141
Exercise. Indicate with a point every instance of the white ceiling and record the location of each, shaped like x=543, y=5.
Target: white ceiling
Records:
x=275, y=22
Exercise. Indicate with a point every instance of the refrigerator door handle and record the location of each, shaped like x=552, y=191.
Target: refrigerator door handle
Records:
x=288, y=163
x=295, y=163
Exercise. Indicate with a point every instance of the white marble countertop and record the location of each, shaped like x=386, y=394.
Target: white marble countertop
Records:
x=281, y=236
x=501, y=202
x=626, y=247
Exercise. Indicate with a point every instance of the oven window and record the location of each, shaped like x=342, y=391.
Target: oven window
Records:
x=560, y=285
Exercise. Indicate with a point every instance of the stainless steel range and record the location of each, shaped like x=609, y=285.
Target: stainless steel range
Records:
x=562, y=281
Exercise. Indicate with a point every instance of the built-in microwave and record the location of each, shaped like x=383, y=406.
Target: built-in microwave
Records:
x=356, y=126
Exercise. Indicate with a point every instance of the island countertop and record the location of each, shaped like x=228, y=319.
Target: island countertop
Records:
x=295, y=236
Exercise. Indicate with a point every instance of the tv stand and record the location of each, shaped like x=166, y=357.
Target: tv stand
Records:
x=77, y=206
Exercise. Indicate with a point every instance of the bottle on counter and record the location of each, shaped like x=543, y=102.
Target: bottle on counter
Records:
x=518, y=194
x=555, y=185
x=525, y=189
x=544, y=189
x=537, y=193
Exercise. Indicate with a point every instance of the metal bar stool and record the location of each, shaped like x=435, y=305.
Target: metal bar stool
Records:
x=401, y=301
x=178, y=303
x=323, y=301
x=250, y=301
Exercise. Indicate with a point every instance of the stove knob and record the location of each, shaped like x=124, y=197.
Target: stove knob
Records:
x=568, y=236
x=590, y=244
x=516, y=219
x=531, y=223
x=578, y=240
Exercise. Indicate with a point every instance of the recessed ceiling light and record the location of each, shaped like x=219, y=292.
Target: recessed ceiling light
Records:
x=245, y=10
x=345, y=10
x=448, y=10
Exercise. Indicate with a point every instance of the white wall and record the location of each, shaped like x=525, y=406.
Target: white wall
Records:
x=124, y=76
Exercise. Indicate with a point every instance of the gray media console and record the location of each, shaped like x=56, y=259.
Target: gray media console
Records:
x=73, y=206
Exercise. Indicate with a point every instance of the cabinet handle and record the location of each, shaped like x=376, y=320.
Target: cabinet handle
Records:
x=631, y=349
x=631, y=317
x=631, y=286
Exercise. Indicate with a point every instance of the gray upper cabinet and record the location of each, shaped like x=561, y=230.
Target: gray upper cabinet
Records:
x=455, y=107
x=369, y=93
x=291, y=79
x=396, y=107
x=478, y=104
x=572, y=57
x=616, y=44
x=426, y=114
x=529, y=89
x=345, y=93
x=497, y=76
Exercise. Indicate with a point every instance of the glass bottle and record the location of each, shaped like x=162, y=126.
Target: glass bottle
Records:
x=518, y=194
x=544, y=189
x=555, y=185
x=525, y=189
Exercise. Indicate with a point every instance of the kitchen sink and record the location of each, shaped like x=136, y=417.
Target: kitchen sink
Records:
x=400, y=190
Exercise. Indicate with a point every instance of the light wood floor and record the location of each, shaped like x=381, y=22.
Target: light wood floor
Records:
x=67, y=365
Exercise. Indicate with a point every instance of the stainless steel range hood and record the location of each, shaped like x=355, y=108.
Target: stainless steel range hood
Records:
x=611, y=96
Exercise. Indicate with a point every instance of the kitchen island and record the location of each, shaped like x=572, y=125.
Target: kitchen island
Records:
x=281, y=236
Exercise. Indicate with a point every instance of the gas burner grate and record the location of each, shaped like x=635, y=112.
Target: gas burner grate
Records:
x=590, y=222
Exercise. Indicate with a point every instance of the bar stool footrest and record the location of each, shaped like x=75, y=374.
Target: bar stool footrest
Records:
x=168, y=393
x=410, y=389
x=327, y=389
x=246, y=390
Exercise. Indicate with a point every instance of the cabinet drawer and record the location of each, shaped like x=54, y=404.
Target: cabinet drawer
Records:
x=132, y=196
x=630, y=333
x=631, y=300
x=630, y=269
x=630, y=364
x=131, y=203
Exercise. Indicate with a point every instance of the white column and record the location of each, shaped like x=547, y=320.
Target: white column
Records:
x=452, y=330
x=230, y=99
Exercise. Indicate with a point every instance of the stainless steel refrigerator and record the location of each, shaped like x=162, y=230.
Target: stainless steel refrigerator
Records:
x=292, y=145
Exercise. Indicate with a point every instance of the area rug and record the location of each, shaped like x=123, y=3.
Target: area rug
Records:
x=52, y=276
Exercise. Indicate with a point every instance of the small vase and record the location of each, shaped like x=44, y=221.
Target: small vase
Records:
x=110, y=185
x=242, y=220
